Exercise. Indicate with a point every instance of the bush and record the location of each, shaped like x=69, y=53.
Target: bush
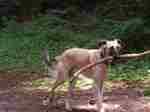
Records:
x=21, y=44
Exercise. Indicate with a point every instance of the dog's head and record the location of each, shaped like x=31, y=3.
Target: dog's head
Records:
x=110, y=47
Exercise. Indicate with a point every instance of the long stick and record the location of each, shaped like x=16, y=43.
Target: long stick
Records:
x=125, y=56
x=134, y=55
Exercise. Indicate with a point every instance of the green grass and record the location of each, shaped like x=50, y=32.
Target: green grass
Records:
x=147, y=92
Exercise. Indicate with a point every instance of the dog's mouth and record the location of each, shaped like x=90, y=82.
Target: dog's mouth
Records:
x=114, y=52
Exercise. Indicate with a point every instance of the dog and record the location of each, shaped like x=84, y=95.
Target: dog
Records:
x=75, y=58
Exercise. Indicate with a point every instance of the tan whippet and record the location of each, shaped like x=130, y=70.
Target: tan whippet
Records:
x=75, y=58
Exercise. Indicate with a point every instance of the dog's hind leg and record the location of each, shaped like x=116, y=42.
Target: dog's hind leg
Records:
x=68, y=104
x=56, y=84
x=71, y=85
x=48, y=99
x=61, y=77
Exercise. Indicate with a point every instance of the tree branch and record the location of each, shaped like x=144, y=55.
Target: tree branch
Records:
x=125, y=56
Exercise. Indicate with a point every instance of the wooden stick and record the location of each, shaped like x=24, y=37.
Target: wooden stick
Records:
x=134, y=55
x=125, y=56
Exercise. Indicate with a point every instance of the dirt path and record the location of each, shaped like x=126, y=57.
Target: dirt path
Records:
x=14, y=98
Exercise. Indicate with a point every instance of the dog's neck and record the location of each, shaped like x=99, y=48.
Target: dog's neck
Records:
x=102, y=54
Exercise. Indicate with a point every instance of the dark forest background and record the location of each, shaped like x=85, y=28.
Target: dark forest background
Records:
x=28, y=26
x=129, y=15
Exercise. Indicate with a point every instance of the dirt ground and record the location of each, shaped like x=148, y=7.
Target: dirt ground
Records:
x=15, y=98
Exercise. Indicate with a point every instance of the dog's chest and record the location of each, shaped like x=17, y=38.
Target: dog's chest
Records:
x=97, y=73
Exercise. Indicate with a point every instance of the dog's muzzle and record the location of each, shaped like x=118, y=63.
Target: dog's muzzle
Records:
x=114, y=51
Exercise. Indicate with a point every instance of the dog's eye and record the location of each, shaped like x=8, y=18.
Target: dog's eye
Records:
x=119, y=41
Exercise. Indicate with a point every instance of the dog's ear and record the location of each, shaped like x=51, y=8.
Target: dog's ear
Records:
x=101, y=43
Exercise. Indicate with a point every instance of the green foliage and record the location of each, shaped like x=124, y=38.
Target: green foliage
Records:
x=21, y=44
x=117, y=29
x=131, y=70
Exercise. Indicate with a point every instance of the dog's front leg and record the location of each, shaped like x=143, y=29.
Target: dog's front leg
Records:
x=99, y=80
x=99, y=95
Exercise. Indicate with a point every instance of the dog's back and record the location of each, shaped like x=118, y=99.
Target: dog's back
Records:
x=77, y=56
x=71, y=58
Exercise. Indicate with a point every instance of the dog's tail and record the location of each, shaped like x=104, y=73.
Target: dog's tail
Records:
x=45, y=57
x=46, y=61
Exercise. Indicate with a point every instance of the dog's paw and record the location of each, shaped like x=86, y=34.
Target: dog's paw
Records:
x=68, y=107
x=45, y=101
